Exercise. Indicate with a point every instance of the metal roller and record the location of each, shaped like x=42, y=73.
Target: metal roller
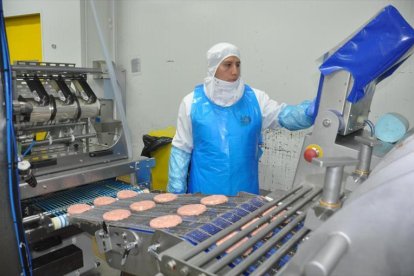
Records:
x=66, y=112
x=38, y=113
x=89, y=110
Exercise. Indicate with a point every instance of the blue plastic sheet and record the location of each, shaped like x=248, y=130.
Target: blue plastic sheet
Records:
x=374, y=52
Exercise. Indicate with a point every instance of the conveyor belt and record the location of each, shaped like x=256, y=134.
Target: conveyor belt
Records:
x=280, y=222
x=194, y=229
x=55, y=205
x=263, y=253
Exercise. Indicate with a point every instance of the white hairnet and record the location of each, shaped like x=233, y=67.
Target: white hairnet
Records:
x=217, y=53
x=221, y=92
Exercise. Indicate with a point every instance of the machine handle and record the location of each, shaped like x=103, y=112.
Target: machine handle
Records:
x=61, y=86
x=84, y=88
x=36, y=86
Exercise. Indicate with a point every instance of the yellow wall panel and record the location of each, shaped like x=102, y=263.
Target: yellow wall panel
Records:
x=24, y=37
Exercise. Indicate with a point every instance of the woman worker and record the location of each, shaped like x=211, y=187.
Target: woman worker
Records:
x=219, y=128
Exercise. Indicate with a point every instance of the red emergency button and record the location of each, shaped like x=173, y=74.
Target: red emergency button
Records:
x=310, y=153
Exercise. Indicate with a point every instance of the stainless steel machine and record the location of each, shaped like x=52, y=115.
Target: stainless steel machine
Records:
x=348, y=213
x=71, y=148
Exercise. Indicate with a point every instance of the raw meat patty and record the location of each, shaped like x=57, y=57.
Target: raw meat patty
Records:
x=234, y=246
x=214, y=200
x=103, y=200
x=117, y=214
x=142, y=205
x=268, y=210
x=248, y=224
x=78, y=209
x=260, y=229
x=126, y=194
x=257, y=230
x=191, y=210
x=167, y=197
x=278, y=215
x=167, y=221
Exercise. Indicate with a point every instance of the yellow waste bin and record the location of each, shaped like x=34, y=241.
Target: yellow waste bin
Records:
x=159, y=174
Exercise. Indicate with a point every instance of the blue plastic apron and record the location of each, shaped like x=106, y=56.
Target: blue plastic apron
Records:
x=225, y=154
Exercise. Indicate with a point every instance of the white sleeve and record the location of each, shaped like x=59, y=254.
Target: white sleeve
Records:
x=270, y=110
x=183, y=138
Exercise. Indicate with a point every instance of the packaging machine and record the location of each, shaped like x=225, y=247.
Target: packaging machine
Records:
x=346, y=215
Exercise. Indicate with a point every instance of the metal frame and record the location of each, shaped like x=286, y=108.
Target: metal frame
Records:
x=73, y=168
x=9, y=262
x=54, y=67
x=372, y=234
x=64, y=180
x=337, y=125
x=185, y=259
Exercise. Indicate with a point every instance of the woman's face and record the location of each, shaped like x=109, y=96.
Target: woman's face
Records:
x=229, y=69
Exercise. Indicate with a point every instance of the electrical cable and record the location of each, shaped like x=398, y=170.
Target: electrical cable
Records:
x=371, y=127
x=24, y=254
x=28, y=148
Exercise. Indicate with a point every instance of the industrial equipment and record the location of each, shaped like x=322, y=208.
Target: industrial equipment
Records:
x=132, y=246
x=71, y=146
x=335, y=221
x=334, y=216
